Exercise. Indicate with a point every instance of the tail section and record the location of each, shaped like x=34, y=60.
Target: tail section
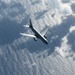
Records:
x=30, y=24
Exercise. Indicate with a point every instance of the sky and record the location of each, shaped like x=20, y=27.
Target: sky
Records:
x=22, y=55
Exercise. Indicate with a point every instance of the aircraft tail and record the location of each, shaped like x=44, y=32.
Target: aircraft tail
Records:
x=29, y=25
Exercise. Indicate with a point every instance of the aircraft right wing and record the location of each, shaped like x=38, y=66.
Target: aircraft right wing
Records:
x=27, y=35
x=43, y=32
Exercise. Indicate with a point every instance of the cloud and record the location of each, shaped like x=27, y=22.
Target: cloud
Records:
x=27, y=56
x=11, y=9
x=43, y=12
x=61, y=7
x=18, y=10
x=72, y=28
x=64, y=49
x=67, y=47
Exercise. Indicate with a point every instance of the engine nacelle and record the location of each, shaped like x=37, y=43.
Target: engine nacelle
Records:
x=45, y=36
x=35, y=38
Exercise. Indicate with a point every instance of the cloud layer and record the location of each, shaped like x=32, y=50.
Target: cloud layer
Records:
x=22, y=55
x=18, y=10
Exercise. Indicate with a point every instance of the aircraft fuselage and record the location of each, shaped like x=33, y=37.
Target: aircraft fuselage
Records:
x=38, y=35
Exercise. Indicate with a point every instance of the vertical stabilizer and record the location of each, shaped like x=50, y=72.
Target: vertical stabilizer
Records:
x=30, y=24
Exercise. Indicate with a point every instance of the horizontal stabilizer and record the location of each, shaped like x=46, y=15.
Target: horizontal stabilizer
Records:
x=27, y=35
x=27, y=26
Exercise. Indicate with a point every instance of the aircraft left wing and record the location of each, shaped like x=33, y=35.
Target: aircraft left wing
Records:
x=27, y=35
x=43, y=32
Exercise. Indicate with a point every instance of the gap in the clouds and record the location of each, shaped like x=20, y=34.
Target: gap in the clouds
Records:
x=9, y=31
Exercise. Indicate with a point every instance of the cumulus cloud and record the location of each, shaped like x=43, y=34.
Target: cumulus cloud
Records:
x=67, y=47
x=11, y=9
x=18, y=10
x=72, y=28
x=64, y=49
x=42, y=13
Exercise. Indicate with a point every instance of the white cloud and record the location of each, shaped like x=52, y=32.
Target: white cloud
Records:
x=64, y=49
x=42, y=62
x=72, y=28
x=67, y=9
x=43, y=7
x=60, y=6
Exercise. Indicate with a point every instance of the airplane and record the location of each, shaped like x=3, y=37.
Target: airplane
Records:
x=40, y=35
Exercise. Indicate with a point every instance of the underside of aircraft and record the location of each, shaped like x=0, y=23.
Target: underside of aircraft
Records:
x=41, y=35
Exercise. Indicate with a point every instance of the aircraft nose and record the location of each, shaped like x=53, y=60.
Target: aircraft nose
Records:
x=47, y=43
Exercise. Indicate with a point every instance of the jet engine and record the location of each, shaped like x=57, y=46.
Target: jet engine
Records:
x=35, y=38
x=45, y=36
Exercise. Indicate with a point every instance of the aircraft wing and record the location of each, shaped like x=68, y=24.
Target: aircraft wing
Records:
x=43, y=32
x=27, y=35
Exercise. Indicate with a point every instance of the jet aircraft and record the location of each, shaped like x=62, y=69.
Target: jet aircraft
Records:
x=37, y=34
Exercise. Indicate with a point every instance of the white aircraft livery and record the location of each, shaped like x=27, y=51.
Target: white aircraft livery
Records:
x=40, y=35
